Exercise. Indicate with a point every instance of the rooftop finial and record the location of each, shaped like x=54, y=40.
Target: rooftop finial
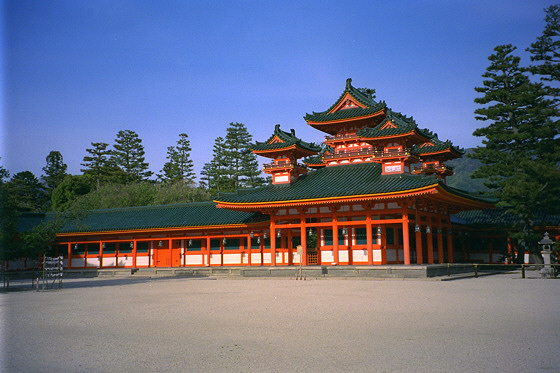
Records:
x=348, y=83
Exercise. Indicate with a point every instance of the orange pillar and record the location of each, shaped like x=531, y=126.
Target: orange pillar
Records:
x=303, y=240
x=249, y=249
x=430, y=241
x=69, y=261
x=419, y=258
x=369, y=236
x=406, y=239
x=335, y=240
x=450, y=249
x=272, y=243
x=440, y=245
x=134, y=252
x=208, y=251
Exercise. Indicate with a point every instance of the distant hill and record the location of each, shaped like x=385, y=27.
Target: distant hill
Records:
x=463, y=168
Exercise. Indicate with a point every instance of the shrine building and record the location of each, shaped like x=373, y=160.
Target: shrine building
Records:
x=373, y=193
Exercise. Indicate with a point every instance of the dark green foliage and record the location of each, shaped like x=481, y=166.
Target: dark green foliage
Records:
x=546, y=52
x=68, y=191
x=214, y=174
x=100, y=168
x=26, y=193
x=521, y=149
x=242, y=165
x=463, y=168
x=55, y=170
x=128, y=154
x=179, y=166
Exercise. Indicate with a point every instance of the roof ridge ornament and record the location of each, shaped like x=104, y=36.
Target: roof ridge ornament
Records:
x=348, y=83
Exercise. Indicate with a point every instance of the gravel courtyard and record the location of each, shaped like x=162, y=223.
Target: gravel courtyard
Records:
x=490, y=324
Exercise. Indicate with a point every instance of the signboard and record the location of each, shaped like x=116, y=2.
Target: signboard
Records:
x=397, y=168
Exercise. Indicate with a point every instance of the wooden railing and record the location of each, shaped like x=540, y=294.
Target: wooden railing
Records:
x=367, y=153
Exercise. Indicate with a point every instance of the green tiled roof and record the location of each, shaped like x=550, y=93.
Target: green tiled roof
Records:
x=288, y=138
x=501, y=217
x=371, y=107
x=150, y=217
x=315, y=160
x=437, y=147
x=336, y=181
x=403, y=125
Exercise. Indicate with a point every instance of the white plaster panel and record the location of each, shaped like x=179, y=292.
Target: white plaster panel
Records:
x=376, y=255
x=401, y=255
x=266, y=258
x=324, y=210
x=343, y=255
x=141, y=261
x=215, y=259
x=480, y=257
x=109, y=262
x=194, y=259
x=125, y=262
x=244, y=258
x=359, y=256
x=16, y=264
x=78, y=262
x=392, y=205
x=255, y=258
x=232, y=259
x=391, y=255
x=327, y=256
x=281, y=179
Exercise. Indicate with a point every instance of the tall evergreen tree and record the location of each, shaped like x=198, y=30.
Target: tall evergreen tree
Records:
x=516, y=155
x=179, y=165
x=26, y=193
x=55, y=170
x=546, y=53
x=128, y=154
x=96, y=163
x=243, y=168
x=214, y=174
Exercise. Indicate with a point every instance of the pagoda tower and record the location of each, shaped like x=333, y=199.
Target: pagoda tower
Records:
x=360, y=129
x=284, y=148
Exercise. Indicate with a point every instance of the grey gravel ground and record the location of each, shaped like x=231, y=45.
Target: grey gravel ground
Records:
x=491, y=324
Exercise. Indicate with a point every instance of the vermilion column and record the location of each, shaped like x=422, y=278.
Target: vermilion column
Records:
x=406, y=240
x=335, y=240
x=369, y=236
x=419, y=258
x=440, y=245
x=450, y=249
x=208, y=251
x=430, y=241
x=303, y=240
x=272, y=243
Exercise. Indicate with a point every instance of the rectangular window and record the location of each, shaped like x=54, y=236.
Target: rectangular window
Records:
x=328, y=236
x=194, y=245
x=215, y=245
x=400, y=233
x=390, y=238
x=93, y=249
x=79, y=249
x=110, y=248
x=361, y=235
x=125, y=247
x=296, y=240
x=232, y=244
x=255, y=243
x=341, y=237
x=142, y=247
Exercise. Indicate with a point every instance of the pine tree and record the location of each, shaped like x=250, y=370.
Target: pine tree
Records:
x=516, y=155
x=55, y=170
x=214, y=174
x=243, y=168
x=546, y=53
x=179, y=165
x=26, y=193
x=128, y=154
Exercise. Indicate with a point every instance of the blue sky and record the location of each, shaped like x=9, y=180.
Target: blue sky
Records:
x=76, y=72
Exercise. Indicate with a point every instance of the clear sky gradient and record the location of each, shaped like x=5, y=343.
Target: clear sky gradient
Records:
x=76, y=72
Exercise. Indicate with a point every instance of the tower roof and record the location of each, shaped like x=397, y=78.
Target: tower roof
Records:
x=352, y=104
x=283, y=141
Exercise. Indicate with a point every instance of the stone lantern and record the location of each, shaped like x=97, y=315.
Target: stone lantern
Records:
x=546, y=248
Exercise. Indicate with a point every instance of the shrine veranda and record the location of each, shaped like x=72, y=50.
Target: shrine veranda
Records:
x=374, y=193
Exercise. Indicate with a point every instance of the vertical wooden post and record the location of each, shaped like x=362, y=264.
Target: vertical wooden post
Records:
x=440, y=245
x=335, y=239
x=134, y=252
x=419, y=257
x=406, y=238
x=272, y=242
x=208, y=251
x=69, y=249
x=303, y=240
x=450, y=248
x=369, y=236
x=430, y=242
